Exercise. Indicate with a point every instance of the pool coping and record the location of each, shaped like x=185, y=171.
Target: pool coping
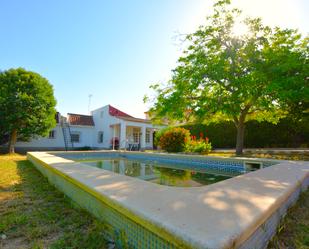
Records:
x=222, y=215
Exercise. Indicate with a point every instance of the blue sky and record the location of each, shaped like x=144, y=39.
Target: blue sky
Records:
x=113, y=49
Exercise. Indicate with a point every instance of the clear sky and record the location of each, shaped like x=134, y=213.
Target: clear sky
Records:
x=113, y=49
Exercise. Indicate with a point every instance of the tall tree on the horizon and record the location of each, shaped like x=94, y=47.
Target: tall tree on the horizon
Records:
x=238, y=77
x=27, y=105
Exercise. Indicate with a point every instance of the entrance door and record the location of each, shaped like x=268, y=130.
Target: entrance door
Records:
x=154, y=146
x=136, y=138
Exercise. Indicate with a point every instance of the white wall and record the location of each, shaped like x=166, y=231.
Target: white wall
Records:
x=86, y=135
x=105, y=120
x=45, y=142
x=86, y=138
x=103, y=123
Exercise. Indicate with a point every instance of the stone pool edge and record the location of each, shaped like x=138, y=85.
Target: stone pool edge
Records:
x=243, y=235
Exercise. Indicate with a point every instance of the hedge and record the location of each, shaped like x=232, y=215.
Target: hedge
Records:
x=287, y=133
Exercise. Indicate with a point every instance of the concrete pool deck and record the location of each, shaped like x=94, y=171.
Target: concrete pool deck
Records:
x=226, y=214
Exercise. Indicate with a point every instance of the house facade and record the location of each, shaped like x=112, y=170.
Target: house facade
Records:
x=106, y=128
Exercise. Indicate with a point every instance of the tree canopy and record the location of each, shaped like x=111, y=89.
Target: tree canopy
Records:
x=260, y=74
x=27, y=105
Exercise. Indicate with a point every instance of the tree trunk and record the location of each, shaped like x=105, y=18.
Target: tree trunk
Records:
x=13, y=138
x=240, y=126
x=240, y=137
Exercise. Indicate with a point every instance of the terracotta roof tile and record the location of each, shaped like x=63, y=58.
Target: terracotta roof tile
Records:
x=116, y=112
x=78, y=119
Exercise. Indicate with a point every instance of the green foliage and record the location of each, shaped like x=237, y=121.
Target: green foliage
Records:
x=221, y=135
x=259, y=75
x=174, y=139
x=286, y=133
x=200, y=145
x=27, y=104
x=159, y=133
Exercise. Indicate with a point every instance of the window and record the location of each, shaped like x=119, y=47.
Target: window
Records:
x=100, y=137
x=101, y=114
x=147, y=136
x=75, y=137
x=52, y=134
x=136, y=135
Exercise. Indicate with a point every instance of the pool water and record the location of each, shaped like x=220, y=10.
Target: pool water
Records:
x=170, y=175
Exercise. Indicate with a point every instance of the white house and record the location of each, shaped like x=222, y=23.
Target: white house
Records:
x=106, y=128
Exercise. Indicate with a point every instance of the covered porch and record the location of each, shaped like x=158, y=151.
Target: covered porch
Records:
x=132, y=136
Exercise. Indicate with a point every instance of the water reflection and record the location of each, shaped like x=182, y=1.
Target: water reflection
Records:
x=170, y=175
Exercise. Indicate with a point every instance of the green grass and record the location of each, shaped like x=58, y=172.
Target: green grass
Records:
x=36, y=215
x=294, y=229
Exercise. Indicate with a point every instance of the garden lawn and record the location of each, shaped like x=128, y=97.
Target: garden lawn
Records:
x=293, y=231
x=33, y=214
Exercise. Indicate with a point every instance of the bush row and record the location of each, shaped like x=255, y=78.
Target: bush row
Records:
x=287, y=133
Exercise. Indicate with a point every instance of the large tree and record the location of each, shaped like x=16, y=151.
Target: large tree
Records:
x=224, y=73
x=27, y=105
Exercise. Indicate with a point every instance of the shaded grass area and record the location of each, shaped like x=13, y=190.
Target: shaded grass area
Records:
x=36, y=215
x=294, y=229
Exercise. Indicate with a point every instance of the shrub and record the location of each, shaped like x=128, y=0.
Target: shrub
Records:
x=200, y=145
x=159, y=134
x=174, y=139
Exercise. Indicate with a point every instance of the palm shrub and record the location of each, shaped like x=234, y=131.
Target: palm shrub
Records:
x=174, y=139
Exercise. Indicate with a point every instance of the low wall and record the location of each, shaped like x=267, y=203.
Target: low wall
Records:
x=241, y=212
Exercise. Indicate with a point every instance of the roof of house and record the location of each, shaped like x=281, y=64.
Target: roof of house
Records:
x=78, y=119
x=116, y=112
x=140, y=120
x=122, y=115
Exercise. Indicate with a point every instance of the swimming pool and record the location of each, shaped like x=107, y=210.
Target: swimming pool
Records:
x=159, y=173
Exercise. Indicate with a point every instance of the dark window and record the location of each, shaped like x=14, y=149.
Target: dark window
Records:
x=75, y=138
x=100, y=137
x=52, y=134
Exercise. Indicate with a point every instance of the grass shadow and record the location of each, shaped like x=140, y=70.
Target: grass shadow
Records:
x=36, y=215
x=293, y=231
